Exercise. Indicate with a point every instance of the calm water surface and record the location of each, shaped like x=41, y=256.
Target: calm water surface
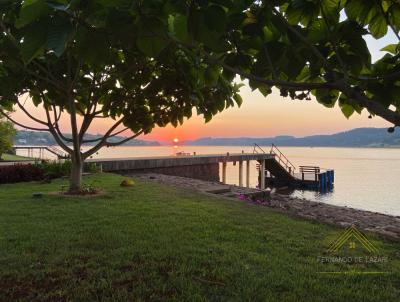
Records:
x=365, y=178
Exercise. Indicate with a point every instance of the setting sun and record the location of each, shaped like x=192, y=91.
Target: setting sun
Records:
x=176, y=140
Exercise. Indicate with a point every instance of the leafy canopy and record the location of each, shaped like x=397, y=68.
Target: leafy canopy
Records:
x=152, y=61
x=303, y=47
x=102, y=59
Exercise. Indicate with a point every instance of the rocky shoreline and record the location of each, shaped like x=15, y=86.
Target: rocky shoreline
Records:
x=385, y=225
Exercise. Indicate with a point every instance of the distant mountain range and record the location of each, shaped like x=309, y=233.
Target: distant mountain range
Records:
x=34, y=138
x=361, y=137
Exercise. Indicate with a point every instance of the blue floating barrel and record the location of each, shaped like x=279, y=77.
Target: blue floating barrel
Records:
x=329, y=180
x=323, y=181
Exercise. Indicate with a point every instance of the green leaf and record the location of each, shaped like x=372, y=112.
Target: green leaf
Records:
x=326, y=97
x=34, y=42
x=392, y=48
x=36, y=99
x=212, y=75
x=215, y=18
x=58, y=36
x=301, y=11
x=394, y=16
x=31, y=10
x=265, y=90
x=207, y=117
x=152, y=38
x=378, y=26
x=360, y=10
x=87, y=41
x=318, y=31
x=179, y=27
x=238, y=99
x=347, y=110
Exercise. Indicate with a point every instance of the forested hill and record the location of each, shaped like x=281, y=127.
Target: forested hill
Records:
x=33, y=138
x=361, y=137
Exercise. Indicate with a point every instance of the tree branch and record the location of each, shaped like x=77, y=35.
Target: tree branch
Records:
x=19, y=124
x=99, y=139
x=290, y=85
x=56, y=126
x=124, y=140
x=30, y=115
x=372, y=106
x=103, y=140
x=54, y=132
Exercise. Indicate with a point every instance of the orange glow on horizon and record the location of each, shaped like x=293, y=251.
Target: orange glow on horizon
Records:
x=257, y=117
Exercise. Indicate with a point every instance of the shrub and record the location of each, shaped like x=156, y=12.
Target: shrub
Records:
x=20, y=173
x=39, y=171
x=55, y=169
x=90, y=168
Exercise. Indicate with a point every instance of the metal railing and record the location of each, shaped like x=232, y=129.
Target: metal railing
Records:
x=54, y=150
x=282, y=159
x=257, y=147
x=313, y=170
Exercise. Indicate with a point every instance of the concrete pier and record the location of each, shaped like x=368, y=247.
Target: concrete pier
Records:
x=204, y=167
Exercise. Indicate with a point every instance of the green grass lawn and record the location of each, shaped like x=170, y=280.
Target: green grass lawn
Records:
x=152, y=243
x=11, y=157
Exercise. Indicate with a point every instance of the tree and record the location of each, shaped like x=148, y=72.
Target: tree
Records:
x=7, y=134
x=102, y=59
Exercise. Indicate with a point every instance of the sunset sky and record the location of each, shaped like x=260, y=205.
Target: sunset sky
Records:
x=258, y=117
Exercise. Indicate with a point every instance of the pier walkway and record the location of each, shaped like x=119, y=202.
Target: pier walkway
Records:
x=204, y=167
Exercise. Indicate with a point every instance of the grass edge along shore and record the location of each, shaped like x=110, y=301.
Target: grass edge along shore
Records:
x=151, y=242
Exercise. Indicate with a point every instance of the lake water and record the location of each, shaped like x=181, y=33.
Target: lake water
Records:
x=365, y=178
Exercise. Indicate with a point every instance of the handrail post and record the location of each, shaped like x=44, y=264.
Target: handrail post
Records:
x=262, y=175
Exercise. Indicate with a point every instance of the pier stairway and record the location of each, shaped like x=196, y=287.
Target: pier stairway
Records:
x=279, y=171
x=279, y=166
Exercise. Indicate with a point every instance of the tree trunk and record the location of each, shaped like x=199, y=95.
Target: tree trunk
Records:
x=76, y=174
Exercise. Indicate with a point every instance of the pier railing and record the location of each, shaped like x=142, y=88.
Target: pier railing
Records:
x=314, y=171
x=282, y=159
x=258, y=148
x=54, y=150
x=279, y=157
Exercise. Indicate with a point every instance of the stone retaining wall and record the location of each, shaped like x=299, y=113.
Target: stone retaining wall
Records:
x=208, y=172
